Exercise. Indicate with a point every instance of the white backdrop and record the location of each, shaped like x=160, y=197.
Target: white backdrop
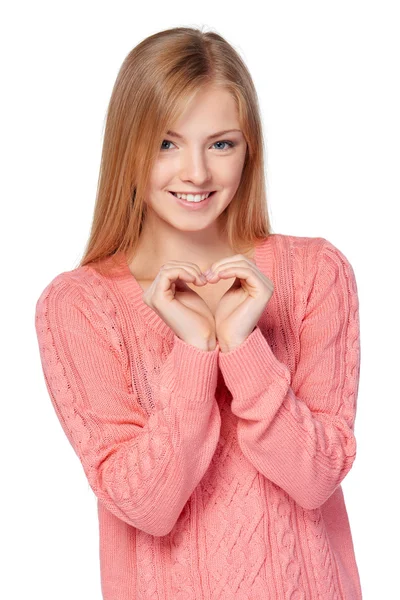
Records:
x=327, y=76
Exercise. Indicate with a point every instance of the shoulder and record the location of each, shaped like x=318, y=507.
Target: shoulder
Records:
x=68, y=286
x=311, y=267
x=89, y=283
x=80, y=297
x=286, y=242
x=309, y=250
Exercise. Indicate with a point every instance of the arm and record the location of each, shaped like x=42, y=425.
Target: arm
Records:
x=142, y=468
x=300, y=434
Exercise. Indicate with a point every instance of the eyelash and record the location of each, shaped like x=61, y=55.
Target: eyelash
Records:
x=230, y=144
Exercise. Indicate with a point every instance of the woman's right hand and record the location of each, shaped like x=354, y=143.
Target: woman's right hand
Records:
x=179, y=306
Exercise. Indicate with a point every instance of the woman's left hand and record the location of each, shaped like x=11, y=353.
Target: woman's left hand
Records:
x=242, y=305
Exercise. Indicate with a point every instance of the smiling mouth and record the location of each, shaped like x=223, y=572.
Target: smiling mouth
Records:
x=192, y=193
x=193, y=201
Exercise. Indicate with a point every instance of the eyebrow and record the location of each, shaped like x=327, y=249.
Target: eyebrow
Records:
x=210, y=137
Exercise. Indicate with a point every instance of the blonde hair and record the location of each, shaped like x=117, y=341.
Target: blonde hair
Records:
x=157, y=79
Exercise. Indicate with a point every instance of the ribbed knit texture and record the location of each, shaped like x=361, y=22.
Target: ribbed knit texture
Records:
x=217, y=474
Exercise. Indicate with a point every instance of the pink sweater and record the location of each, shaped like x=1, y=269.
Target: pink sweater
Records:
x=217, y=475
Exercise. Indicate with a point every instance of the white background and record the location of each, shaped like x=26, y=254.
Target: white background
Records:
x=327, y=76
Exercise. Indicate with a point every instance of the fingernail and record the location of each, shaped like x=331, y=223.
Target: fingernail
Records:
x=207, y=272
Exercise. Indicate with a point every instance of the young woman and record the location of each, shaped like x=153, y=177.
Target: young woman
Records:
x=204, y=369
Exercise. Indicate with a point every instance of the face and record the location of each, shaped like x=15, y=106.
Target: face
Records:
x=198, y=161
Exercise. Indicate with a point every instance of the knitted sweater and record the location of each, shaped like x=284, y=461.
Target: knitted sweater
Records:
x=217, y=475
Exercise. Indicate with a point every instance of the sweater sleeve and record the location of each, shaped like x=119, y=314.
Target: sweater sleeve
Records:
x=300, y=434
x=142, y=468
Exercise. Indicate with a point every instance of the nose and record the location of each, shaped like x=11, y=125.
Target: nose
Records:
x=195, y=167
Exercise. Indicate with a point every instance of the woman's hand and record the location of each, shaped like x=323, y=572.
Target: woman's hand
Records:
x=242, y=305
x=184, y=311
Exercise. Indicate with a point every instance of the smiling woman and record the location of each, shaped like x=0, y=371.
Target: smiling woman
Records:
x=187, y=123
x=204, y=369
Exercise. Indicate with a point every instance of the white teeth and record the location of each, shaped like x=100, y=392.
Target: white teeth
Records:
x=191, y=197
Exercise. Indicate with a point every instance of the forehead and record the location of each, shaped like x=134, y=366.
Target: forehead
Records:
x=211, y=110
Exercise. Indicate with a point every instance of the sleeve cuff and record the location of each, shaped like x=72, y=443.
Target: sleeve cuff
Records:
x=190, y=372
x=252, y=368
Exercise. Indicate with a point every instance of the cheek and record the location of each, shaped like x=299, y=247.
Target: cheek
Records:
x=231, y=172
x=161, y=173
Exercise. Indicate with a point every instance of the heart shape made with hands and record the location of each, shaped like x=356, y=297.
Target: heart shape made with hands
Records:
x=243, y=303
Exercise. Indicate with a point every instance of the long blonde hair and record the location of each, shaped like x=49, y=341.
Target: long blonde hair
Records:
x=157, y=79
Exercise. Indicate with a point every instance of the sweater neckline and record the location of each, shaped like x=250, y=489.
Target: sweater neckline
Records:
x=133, y=290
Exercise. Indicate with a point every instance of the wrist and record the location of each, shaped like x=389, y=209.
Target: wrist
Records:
x=206, y=345
x=229, y=346
x=225, y=347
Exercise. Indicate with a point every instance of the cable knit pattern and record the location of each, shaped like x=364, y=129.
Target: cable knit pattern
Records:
x=218, y=475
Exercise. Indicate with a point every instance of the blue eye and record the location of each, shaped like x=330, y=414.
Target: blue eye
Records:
x=230, y=144
x=168, y=142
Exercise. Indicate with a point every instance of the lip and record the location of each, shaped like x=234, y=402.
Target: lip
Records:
x=193, y=205
x=193, y=193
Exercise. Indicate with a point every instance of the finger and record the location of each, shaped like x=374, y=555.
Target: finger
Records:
x=187, y=264
x=169, y=275
x=228, y=264
x=243, y=273
x=231, y=260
